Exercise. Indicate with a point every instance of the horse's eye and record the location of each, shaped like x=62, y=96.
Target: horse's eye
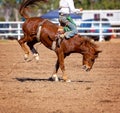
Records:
x=92, y=60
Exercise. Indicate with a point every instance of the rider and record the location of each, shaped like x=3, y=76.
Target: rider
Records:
x=65, y=8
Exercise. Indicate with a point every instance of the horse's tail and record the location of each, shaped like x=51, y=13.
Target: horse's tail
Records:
x=24, y=7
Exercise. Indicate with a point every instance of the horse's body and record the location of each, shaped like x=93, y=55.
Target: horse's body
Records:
x=41, y=30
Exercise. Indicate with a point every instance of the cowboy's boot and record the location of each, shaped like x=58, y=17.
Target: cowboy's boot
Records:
x=60, y=38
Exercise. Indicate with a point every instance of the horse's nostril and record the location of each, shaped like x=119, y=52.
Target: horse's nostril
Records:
x=87, y=69
x=84, y=67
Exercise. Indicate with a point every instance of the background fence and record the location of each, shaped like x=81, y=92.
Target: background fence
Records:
x=14, y=30
x=101, y=31
x=11, y=29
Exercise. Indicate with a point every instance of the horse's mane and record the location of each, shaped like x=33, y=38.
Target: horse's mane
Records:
x=87, y=43
x=90, y=44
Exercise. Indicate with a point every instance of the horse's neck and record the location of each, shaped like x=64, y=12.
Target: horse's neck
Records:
x=85, y=46
x=88, y=49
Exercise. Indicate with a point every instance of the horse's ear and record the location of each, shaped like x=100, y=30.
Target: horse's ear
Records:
x=98, y=51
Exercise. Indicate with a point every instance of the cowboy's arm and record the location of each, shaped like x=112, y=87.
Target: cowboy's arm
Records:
x=72, y=7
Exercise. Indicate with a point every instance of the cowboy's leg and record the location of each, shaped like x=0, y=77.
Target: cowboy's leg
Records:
x=73, y=30
x=63, y=20
x=59, y=36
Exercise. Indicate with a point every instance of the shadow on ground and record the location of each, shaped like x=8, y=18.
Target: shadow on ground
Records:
x=49, y=79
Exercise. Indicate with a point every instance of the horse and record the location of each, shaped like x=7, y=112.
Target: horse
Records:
x=37, y=29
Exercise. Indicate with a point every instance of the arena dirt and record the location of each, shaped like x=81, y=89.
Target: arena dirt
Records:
x=25, y=87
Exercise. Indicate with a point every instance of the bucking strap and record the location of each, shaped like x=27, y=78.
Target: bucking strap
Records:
x=39, y=29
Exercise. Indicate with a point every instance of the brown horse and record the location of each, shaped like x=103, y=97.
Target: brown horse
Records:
x=41, y=30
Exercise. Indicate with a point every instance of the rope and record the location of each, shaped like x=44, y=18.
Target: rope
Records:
x=15, y=64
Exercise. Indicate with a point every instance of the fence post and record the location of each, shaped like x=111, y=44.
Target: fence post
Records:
x=100, y=28
x=19, y=31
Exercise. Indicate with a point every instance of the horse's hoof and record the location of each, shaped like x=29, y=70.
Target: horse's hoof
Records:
x=26, y=57
x=53, y=79
x=56, y=79
x=36, y=56
x=68, y=80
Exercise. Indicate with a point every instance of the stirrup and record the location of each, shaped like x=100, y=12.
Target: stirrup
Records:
x=59, y=41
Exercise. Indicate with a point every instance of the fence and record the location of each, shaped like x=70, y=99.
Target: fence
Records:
x=14, y=29
x=112, y=16
x=100, y=30
x=11, y=29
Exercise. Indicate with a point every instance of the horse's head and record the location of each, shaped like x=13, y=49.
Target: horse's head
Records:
x=89, y=59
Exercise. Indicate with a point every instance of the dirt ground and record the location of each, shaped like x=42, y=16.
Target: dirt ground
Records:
x=25, y=87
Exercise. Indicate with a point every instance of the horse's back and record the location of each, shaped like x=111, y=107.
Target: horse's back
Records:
x=31, y=24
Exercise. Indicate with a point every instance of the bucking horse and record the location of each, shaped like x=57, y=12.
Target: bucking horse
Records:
x=37, y=29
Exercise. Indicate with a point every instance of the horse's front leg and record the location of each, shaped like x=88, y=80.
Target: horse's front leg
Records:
x=62, y=66
x=54, y=75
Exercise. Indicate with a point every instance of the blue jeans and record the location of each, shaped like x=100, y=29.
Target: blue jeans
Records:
x=71, y=26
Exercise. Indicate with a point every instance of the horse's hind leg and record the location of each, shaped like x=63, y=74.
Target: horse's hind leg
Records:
x=33, y=50
x=25, y=49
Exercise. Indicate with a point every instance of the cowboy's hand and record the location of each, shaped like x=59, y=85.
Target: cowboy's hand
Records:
x=81, y=9
x=61, y=30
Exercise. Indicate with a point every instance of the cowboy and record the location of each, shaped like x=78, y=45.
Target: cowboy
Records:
x=66, y=7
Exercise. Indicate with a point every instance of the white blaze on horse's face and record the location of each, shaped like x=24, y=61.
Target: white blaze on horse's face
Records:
x=88, y=62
